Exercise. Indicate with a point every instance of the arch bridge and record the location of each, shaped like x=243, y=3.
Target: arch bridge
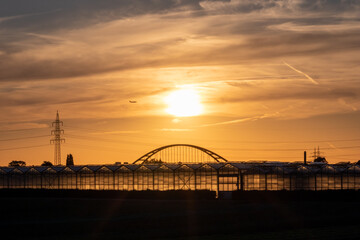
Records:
x=180, y=153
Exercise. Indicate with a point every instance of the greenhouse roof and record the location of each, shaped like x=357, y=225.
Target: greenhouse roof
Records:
x=244, y=166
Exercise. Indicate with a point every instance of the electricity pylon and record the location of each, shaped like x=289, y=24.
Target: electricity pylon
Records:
x=57, y=140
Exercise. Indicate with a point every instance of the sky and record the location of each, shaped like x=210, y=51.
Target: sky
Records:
x=273, y=78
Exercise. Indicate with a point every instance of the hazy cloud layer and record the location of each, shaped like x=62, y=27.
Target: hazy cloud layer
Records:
x=97, y=53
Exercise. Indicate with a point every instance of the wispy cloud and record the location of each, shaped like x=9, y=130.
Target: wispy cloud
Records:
x=175, y=130
x=305, y=28
x=89, y=58
x=116, y=132
x=20, y=16
x=103, y=52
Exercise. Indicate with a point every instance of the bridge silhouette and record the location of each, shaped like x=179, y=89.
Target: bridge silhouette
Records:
x=180, y=153
x=185, y=167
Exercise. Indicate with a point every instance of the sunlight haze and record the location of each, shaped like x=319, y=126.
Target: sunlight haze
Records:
x=249, y=80
x=183, y=103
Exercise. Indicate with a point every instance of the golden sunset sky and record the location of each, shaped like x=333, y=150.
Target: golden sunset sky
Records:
x=270, y=78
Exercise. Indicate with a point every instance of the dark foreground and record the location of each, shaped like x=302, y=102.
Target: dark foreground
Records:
x=108, y=215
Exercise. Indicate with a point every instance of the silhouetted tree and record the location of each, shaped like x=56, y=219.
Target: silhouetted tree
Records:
x=47, y=164
x=17, y=163
x=69, y=160
x=358, y=162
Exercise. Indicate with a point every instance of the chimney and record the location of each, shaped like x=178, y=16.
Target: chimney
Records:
x=304, y=157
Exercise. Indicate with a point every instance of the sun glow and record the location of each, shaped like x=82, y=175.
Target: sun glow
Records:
x=184, y=103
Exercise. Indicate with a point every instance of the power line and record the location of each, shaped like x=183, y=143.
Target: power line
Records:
x=279, y=150
x=88, y=147
x=13, y=139
x=88, y=129
x=266, y=142
x=89, y=138
x=341, y=148
x=24, y=129
x=97, y=139
x=312, y=141
x=15, y=148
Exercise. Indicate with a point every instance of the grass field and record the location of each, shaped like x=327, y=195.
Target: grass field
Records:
x=113, y=218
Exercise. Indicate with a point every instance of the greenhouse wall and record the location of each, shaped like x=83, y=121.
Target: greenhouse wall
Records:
x=207, y=176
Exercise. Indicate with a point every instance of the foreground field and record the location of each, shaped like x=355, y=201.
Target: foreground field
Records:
x=25, y=217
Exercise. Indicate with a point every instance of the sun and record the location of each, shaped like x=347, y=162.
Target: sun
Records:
x=184, y=103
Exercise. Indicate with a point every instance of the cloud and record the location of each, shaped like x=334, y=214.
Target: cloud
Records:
x=142, y=39
x=324, y=5
x=4, y=19
x=80, y=13
x=102, y=53
x=236, y=6
x=264, y=92
x=338, y=26
x=175, y=130
x=117, y=132
x=40, y=95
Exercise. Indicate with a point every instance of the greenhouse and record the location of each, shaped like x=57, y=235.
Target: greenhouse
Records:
x=227, y=176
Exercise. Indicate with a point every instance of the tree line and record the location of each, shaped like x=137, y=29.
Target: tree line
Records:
x=19, y=163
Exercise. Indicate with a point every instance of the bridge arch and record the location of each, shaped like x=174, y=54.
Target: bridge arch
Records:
x=175, y=153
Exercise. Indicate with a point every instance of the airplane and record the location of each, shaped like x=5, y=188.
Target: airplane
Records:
x=130, y=101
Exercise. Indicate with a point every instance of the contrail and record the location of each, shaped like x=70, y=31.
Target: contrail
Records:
x=296, y=70
x=241, y=120
x=255, y=118
x=229, y=122
x=332, y=145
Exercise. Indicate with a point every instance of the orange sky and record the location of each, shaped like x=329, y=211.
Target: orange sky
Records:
x=274, y=78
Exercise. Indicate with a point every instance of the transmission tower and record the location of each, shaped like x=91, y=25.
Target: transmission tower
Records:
x=57, y=140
